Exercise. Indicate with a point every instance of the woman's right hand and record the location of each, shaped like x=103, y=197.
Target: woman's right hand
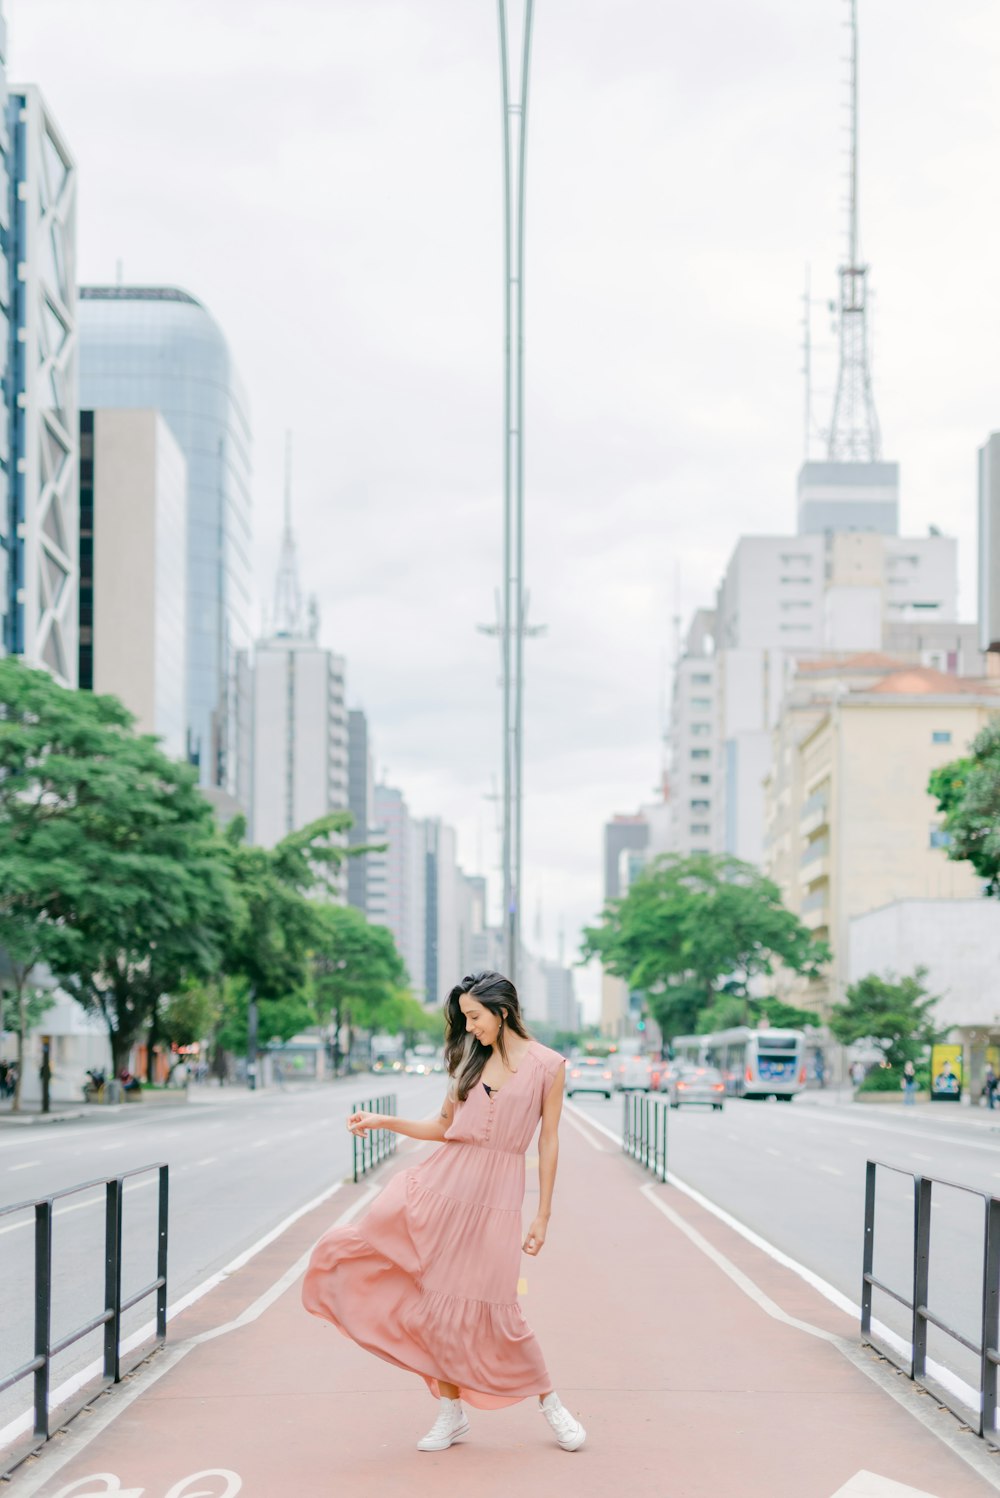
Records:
x=359, y=1123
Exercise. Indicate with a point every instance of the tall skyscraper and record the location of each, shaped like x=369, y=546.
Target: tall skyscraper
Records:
x=360, y=803
x=38, y=416
x=158, y=348
x=989, y=544
x=299, y=716
x=397, y=881
x=133, y=568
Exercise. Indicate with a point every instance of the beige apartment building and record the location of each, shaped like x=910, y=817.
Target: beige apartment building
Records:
x=849, y=823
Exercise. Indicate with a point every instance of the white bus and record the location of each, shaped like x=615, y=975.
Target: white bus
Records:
x=753, y=1063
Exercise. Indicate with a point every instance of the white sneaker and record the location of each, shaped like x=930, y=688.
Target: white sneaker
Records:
x=450, y=1425
x=567, y=1429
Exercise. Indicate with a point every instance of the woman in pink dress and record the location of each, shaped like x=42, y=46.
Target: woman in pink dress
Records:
x=427, y=1278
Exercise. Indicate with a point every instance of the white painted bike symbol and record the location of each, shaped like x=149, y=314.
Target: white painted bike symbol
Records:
x=85, y=1487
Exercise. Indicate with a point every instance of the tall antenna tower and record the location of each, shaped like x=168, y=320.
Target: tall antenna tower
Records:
x=854, y=431
x=288, y=611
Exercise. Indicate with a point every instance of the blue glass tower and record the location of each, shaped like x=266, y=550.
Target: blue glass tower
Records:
x=159, y=348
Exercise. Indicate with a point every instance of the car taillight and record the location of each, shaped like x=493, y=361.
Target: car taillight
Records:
x=749, y=1073
x=574, y=1073
x=718, y=1087
x=681, y=1084
x=607, y=1076
x=802, y=1077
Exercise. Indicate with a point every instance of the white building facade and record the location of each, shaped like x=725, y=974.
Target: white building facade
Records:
x=299, y=738
x=133, y=555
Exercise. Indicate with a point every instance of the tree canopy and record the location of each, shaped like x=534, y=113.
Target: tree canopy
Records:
x=107, y=849
x=967, y=792
x=690, y=930
x=896, y=1014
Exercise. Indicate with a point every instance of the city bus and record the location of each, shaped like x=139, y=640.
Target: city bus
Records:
x=753, y=1063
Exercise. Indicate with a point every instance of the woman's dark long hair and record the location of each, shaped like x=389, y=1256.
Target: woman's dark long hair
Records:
x=464, y=1055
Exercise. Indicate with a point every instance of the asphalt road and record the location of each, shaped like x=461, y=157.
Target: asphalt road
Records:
x=796, y=1175
x=239, y=1164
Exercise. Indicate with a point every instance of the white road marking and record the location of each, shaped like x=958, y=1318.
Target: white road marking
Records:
x=26, y=1165
x=79, y=1435
x=208, y=1160
x=259, y=1144
x=832, y=1170
x=594, y=1144
x=915, y=1156
x=770, y=1151
x=870, y=1485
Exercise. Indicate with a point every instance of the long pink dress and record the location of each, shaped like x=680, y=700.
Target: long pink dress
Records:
x=427, y=1277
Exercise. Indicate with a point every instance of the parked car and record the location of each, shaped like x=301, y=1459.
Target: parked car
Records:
x=590, y=1074
x=633, y=1074
x=697, y=1084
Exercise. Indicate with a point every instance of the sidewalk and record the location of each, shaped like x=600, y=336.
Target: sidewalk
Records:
x=840, y=1099
x=701, y=1367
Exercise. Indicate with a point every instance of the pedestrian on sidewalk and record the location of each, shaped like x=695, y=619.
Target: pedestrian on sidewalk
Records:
x=909, y=1084
x=427, y=1278
x=990, y=1085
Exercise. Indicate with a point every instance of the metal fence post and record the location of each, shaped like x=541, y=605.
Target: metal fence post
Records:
x=113, y=1279
x=868, y=1250
x=162, y=1240
x=921, y=1252
x=991, y=1320
x=43, y=1313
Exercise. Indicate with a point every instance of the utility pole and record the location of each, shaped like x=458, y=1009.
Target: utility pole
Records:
x=512, y=626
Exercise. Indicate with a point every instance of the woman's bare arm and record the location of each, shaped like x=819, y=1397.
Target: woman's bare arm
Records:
x=431, y=1129
x=548, y=1160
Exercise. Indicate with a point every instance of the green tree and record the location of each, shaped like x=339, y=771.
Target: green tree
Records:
x=130, y=886
x=896, y=1014
x=357, y=972
x=691, y=929
x=967, y=792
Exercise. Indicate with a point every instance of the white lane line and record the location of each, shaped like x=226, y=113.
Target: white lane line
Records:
x=26, y=1165
x=914, y=1155
x=208, y=1160
x=770, y=1151
x=734, y=1137
x=117, y=1144
x=594, y=1143
x=832, y=1170
x=79, y=1435
x=259, y=1144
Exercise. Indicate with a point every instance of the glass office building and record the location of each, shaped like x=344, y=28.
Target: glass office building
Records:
x=159, y=348
x=38, y=377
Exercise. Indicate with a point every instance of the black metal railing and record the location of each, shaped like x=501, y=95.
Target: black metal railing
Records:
x=985, y=1350
x=644, y=1131
x=377, y=1144
x=38, y=1367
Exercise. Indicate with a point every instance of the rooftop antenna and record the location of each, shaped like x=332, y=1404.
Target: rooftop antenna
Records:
x=288, y=611
x=854, y=430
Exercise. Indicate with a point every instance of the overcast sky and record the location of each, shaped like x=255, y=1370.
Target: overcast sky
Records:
x=325, y=176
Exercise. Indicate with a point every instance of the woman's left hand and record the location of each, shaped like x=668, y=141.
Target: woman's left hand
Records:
x=536, y=1237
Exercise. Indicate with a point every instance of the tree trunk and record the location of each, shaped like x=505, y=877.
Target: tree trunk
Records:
x=20, y=1005
x=153, y=1037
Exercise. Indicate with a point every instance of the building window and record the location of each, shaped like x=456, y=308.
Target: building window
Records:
x=701, y=703
x=700, y=829
x=698, y=729
x=941, y=736
x=940, y=838
x=705, y=851
x=701, y=679
x=700, y=805
x=701, y=780
x=700, y=754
